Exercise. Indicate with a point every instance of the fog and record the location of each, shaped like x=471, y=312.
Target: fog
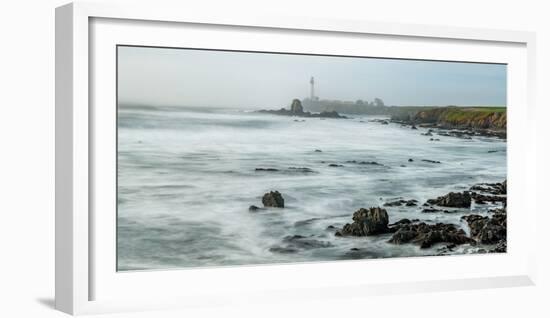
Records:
x=183, y=77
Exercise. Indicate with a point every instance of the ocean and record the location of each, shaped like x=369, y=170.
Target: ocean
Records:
x=187, y=176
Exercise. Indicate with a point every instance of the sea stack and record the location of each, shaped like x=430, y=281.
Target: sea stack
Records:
x=296, y=107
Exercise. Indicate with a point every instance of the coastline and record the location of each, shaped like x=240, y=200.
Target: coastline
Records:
x=322, y=171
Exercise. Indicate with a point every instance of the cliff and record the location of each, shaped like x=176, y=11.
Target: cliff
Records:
x=492, y=118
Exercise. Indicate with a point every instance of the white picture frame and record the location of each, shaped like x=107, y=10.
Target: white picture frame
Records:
x=83, y=286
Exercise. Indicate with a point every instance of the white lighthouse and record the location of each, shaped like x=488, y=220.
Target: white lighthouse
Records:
x=312, y=89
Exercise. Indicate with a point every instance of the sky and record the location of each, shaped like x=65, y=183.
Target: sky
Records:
x=185, y=77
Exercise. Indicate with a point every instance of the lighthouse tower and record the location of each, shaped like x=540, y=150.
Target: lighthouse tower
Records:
x=312, y=89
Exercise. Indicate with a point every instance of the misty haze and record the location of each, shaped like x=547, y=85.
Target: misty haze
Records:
x=236, y=158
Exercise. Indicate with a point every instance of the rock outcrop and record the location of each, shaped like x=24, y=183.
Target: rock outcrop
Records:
x=453, y=199
x=296, y=107
x=366, y=222
x=273, y=199
x=487, y=230
x=427, y=235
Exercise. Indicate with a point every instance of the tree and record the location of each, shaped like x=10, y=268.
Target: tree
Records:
x=359, y=102
x=378, y=102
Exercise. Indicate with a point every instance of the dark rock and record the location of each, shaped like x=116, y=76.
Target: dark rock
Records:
x=331, y=114
x=283, y=250
x=335, y=165
x=301, y=169
x=427, y=235
x=254, y=208
x=453, y=199
x=331, y=227
x=267, y=169
x=273, y=199
x=318, y=150
x=402, y=202
x=482, y=198
x=294, y=243
x=430, y=210
x=365, y=162
x=487, y=230
x=367, y=222
x=491, y=188
x=305, y=242
x=296, y=107
x=394, y=203
x=500, y=248
x=306, y=222
x=431, y=161
x=410, y=160
x=401, y=222
x=433, y=210
x=413, y=127
x=370, y=163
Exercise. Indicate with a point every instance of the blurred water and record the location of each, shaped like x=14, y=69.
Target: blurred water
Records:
x=186, y=177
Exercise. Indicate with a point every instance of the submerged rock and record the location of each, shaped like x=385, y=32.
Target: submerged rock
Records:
x=266, y=169
x=431, y=161
x=295, y=243
x=254, y=208
x=365, y=162
x=273, y=199
x=301, y=169
x=366, y=222
x=453, y=199
x=402, y=202
x=433, y=210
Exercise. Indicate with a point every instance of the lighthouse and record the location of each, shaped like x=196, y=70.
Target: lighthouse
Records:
x=312, y=89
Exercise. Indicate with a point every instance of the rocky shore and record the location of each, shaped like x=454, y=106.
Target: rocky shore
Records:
x=480, y=222
x=486, y=233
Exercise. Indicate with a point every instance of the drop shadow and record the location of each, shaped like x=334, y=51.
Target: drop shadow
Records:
x=47, y=302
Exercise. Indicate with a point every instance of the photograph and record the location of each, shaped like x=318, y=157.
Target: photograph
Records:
x=231, y=158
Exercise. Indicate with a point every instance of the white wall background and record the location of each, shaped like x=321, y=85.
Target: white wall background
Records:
x=27, y=157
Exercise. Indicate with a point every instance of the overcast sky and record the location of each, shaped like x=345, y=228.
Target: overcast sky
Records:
x=157, y=76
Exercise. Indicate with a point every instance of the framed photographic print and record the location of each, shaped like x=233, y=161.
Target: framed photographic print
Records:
x=203, y=158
